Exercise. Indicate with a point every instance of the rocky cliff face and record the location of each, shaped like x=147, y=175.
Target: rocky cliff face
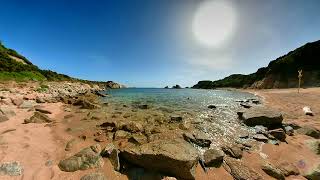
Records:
x=280, y=73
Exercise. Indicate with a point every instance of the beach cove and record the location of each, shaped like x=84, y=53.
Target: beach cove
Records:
x=83, y=132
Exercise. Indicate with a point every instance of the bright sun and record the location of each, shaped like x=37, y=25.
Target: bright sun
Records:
x=214, y=22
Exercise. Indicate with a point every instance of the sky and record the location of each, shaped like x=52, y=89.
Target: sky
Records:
x=155, y=43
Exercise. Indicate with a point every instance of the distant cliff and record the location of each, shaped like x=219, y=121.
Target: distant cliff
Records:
x=280, y=73
x=14, y=66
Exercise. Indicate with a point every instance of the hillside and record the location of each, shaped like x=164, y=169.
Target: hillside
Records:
x=280, y=73
x=14, y=66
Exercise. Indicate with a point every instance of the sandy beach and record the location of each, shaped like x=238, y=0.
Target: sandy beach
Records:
x=39, y=147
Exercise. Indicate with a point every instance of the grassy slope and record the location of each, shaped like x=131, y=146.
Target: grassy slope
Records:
x=13, y=70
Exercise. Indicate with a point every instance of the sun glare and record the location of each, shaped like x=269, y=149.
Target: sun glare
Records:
x=214, y=22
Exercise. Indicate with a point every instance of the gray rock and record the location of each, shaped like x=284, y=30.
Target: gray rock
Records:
x=278, y=134
x=143, y=106
x=138, y=139
x=233, y=151
x=260, y=129
x=38, y=117
x=85, y=159
x=213, y=157
x=197, y=138
x=26, y=105
x=245, y=105
x=112, y=153
x=133, y=127
x=120, y=134
x=309, y=131
x=7, y=112
x=289, y=130
x=272, y=171
x=185, y=125
x=17, y=101
x=260, y=137
x=313, y=145
x=42, y=110
x=172, y=157
x=239, y=170
x=70, y=144
x=40, y=100
x=288, y=169
x=3, y=118
x=85, y=104
x=11, y=169
x=262, y=116
x=313, y=174
x=175, y=118
x=94, y=176
x=212, y=107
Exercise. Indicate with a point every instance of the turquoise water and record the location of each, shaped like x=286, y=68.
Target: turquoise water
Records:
x=219, y=123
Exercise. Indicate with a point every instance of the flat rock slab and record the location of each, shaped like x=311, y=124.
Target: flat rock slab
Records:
x=173, y=157
x=262, y=116
x=239, y=170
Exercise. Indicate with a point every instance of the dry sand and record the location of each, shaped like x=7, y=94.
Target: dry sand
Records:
x=39, y=147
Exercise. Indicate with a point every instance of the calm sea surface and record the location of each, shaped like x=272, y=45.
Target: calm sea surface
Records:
x=219, y=123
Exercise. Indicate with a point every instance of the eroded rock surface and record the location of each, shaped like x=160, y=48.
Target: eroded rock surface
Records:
x=85, y=159
x=174, y=157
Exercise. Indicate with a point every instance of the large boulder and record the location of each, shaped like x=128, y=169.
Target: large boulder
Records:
x=262, y=116
x=172, y=157
x=239, y=170
x=85, y=159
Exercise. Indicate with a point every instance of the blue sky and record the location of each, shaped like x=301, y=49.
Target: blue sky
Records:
x=150, y=43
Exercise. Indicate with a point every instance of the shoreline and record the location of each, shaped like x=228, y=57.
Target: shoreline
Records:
x=45, y=143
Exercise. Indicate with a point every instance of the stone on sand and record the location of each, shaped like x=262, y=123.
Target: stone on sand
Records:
x=11, y=169
x=94, y=176
x=309, y=131
x=213, y=157
x=313, y=145
x=273, y=171
x=233, y=151
x=38, y=117
x=6, y=111
x=173, y=157
x=85, y=159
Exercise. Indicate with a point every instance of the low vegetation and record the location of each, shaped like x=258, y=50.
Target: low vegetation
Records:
x=280, y=70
